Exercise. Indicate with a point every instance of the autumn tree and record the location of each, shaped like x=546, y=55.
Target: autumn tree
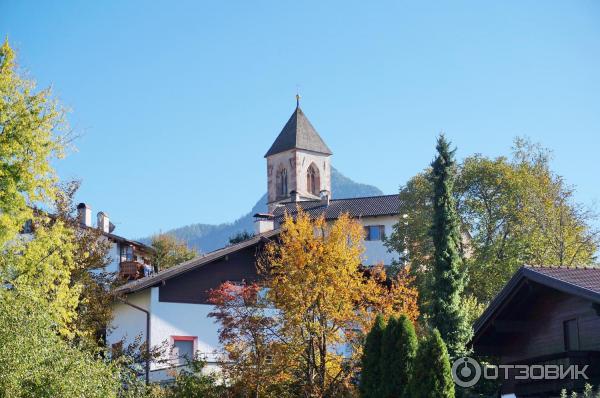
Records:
x=39, y=298
x=32, y=132
x=448, y=272
x=326, y=302
x=169, y=251
x=90, y=257
x=254, y=364
x=514, y=211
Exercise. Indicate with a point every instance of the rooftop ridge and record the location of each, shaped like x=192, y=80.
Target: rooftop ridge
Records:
x=551, y=266
x=340, y=199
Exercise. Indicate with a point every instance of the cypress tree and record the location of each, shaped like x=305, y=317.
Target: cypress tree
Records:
x=398, y=351
x=370, y=378
x=446, y=314
x=432, y=374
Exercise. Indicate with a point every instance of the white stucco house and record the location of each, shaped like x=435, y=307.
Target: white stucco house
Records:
x=171, y=306
x=129, y=259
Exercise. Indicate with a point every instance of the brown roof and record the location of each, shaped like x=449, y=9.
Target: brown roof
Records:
x=369, y=206
x=584, y=277
x=583, y=282
x=179, y=269
x=298, y=133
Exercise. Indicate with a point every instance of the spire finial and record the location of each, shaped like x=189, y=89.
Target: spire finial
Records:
x=298, y=96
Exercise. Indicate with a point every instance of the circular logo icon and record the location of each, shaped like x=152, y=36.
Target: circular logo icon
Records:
x=466, y=372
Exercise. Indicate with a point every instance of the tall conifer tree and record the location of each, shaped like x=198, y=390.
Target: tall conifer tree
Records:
x=370, y=378
x=398, y=351
x=446, y=314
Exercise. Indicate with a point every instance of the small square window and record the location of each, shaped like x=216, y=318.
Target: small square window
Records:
x=183, y=349
x=374, y=232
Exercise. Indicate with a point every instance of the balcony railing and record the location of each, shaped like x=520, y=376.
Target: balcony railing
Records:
x=132, y=270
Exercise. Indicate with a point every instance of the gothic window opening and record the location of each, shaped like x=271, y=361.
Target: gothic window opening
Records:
x=282, y=183
x=313, y=183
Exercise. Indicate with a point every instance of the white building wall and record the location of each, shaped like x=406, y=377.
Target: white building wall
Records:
x=129, y=322
x=114, y=256
x=375, y=251
x=182, y=319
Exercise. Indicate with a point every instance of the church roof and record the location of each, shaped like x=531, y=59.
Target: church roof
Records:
x=298, y=133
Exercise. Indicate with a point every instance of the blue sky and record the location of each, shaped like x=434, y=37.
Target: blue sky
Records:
x=177, y=102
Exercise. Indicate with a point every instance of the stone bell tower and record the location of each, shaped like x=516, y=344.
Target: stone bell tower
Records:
x=298, y=163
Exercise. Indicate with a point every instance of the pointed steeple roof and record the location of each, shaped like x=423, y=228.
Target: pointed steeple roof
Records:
x=298, y=133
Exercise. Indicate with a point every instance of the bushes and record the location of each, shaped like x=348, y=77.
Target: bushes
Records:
x=36, y=362
x=395, y=365
x=432, y=375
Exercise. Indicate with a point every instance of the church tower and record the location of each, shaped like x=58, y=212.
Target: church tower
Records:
x=298, y=163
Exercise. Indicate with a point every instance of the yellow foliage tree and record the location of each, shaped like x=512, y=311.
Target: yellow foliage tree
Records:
x=326, y=300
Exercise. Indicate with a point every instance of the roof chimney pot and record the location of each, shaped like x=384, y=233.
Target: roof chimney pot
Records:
x=103, y=222
x=84, y=215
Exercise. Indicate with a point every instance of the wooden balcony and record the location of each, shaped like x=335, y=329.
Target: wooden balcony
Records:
x=131, y=270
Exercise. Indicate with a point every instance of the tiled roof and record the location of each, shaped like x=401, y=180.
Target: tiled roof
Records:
x=298, y=133
x=583, y=282
x=194, y=263
x=583, y=277
x=369, y=206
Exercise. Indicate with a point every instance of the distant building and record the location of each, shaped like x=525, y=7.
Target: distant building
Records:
x=171, y=306
x=128, y=258
x=544, y=316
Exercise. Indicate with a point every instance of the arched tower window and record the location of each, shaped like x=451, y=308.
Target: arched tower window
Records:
x=313, y=183
x=282, y=183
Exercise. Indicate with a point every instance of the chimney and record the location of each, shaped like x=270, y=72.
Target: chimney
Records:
x=295, y=196
x=103, y=222
x=84, y=214
x=325, y=197
x=263, y=222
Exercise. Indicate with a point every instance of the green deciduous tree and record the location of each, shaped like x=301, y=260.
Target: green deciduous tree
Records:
x=370, y=377
x=513, y=211
x=192, y=382
x=37, y=362
x=398, y=351
x=169, y=252
x=448, y=274
x=432, y=375
x=30, y=136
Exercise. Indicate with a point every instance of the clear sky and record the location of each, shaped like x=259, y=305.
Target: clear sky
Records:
x=177, y=102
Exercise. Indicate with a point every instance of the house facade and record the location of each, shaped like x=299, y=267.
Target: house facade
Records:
x=170, y=308
x=544, y=316
x=127, y=258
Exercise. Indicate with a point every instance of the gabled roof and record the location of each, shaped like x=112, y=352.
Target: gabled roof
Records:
x=194, y=263
x=369, y=206
x=298, y=133
x=582, y=282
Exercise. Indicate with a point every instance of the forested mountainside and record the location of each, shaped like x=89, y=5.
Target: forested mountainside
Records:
x=208, y=237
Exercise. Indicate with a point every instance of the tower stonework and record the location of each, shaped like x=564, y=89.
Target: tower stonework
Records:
x=298, y=163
